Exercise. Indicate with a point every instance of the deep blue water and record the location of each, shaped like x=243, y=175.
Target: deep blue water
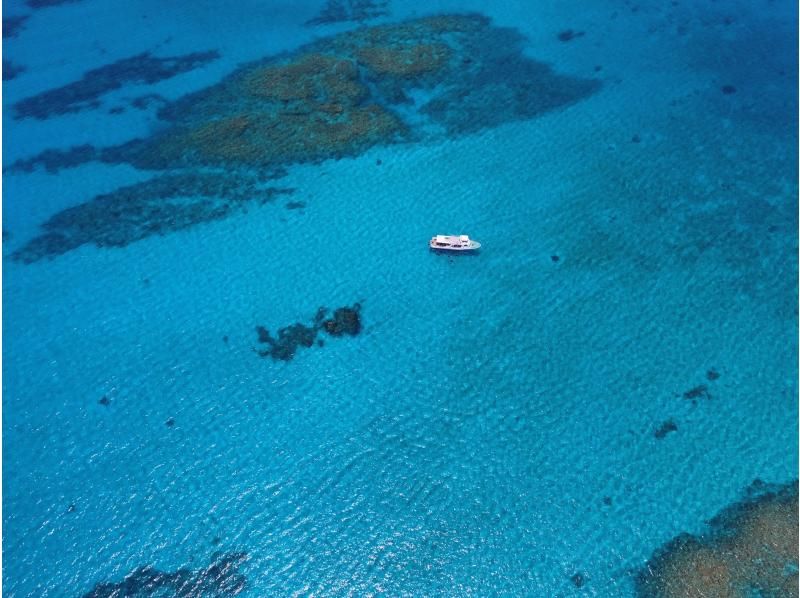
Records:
x=491, y=430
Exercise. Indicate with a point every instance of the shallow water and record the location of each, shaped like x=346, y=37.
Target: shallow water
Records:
x=491, y=429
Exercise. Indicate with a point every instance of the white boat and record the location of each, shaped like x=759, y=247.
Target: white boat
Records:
x=454, y=243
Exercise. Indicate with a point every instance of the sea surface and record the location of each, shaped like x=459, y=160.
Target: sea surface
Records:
x=615, y=366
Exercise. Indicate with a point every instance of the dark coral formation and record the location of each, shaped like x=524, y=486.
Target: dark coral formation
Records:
x=698, y=392
x=665, y=428
x=13, y=25
x=345, y=320
x=568, y=35
x=578, y=580
x=86, y=92
x=11, y=70
x=712, y=374
x=145, y=101
x=220, y=579
x=53, y=160
x=48, y=3
x=750, y=548
x=340, y=11
x=157, y=206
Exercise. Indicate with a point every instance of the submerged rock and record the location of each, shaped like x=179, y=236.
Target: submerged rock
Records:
x=345, y=321
x=220, y=578
x=665, y=428
x=750, y=548
x=698, y=392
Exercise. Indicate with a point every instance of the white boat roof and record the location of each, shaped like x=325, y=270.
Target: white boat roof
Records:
x=447, y=238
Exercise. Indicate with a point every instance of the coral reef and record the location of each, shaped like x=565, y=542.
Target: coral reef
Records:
x=568, y=35
x=53, y=160
x=339, y=96
x=86, y=92
x=409, y=60
x=698, y=392
x=156, y=206
x=333, y=98
x=339, y=11
x=345, y=320
x=48, y=3
x=751, y=548
x=578, y=580
x=665, y=428
x=11, y=70
x=13, y=25
x=221, y=578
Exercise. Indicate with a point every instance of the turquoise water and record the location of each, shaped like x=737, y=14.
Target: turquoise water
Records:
x=491, y=429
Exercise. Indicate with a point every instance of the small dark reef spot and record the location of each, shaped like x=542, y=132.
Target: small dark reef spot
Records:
x=554, y=258
x=728, y=89
x=578, y=580
x=698, y=392
x=170, y=422
x=712, y=374
x=104, y=401
x=665, y=428
x=295, y=205
x=569, y=35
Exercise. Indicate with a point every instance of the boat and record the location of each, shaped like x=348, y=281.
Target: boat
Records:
x=453, y=243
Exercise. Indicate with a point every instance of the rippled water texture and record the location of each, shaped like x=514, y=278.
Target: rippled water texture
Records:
x=232, y=366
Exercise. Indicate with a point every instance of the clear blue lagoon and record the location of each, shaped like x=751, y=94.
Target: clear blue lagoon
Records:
x=232, y=365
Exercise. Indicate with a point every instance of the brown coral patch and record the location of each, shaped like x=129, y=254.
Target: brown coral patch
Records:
x=224, y=139
x=300, y=134
x=359, y=126
x=312, y=77
x=407, y=60
x=752, y=547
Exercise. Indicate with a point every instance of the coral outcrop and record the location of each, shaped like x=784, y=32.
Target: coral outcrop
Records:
x=750, y=549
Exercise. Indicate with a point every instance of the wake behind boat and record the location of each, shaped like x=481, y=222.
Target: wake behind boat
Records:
x=453, y=243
